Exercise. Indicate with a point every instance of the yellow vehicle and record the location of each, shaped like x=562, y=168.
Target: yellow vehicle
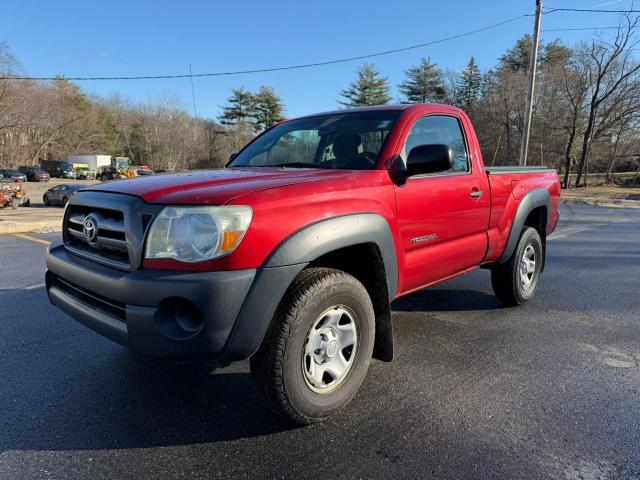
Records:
x=83, y=172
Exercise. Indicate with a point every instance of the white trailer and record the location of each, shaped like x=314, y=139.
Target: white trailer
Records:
x=93, y=161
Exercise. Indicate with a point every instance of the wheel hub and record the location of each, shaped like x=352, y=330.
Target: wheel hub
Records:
x=527, y=266
x=330, y=349
x=327, y=345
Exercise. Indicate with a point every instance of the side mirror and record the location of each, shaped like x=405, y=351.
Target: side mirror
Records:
x=429, y=159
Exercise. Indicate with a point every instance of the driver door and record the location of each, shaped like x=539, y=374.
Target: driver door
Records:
x=442, y=217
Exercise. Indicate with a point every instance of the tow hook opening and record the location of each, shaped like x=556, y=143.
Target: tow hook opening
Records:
x=178, y=318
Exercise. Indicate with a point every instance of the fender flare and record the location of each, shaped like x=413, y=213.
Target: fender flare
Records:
x=538, y=197
x=290, y=257
x=315, y=240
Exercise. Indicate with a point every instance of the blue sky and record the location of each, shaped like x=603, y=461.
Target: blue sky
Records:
x=114, y=38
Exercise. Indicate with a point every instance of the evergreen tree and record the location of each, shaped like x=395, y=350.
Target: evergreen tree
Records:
x=518, y=57
x=469, y=85
x=368, y=89
x=424, y=83
x=554, y=54
x=240, y=109
x=267, y=107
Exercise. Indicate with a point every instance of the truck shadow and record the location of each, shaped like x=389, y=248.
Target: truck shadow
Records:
x=446, y=300
x=139, y=404
x=84, y=392
x=64, y=388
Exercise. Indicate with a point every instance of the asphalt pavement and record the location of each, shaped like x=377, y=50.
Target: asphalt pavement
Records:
x=548, y=390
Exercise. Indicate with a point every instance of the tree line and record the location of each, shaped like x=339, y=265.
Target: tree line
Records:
x=586, y=111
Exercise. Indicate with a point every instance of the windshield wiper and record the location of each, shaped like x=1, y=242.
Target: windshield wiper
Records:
x=298, y=165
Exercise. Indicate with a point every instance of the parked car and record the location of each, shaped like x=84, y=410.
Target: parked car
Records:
x=60, y=194
x=58, y=168
x=14, y=175
x=292, y=254
x=12, y=194
x=163, y=170
x=34, y=174
x=143, y=170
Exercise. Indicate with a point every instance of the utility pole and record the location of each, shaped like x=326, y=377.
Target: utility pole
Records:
x=524, y=144
x=195, y=111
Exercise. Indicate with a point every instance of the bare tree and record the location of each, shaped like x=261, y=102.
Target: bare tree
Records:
x=608, y=67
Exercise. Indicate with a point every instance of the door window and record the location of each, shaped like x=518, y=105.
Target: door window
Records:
x=440, y=129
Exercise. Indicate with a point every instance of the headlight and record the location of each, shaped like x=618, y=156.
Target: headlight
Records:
x=194, y=234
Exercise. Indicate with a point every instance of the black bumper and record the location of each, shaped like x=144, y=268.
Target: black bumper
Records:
x=136, y=309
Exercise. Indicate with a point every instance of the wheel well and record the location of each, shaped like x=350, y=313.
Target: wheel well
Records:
x=537, y=219
x=364, y=262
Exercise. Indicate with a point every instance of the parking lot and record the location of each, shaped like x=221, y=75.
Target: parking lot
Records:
x=550, y=390
x=37, y=217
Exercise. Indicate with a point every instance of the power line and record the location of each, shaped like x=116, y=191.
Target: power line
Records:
x=591, y=10
x=577, y=29
x=283, y=68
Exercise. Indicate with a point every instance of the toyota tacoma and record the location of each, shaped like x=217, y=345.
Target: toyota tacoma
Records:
x=291, y=254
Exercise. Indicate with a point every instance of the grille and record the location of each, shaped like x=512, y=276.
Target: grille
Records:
x=98, y=233
x=91, y=299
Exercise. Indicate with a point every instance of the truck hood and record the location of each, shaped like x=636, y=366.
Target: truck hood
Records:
x=213, y=187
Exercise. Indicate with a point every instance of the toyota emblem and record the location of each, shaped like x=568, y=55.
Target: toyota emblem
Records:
x=90, y=229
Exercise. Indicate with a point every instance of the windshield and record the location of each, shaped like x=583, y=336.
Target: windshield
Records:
x=66, y=167
x=342, y=141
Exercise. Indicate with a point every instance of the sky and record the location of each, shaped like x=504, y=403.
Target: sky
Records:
x=128, y=38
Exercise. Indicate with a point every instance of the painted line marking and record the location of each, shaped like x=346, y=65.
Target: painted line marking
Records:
x=32, y=239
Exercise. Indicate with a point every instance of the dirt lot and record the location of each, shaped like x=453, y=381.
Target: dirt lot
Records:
x=37, y=217
x=604, y=196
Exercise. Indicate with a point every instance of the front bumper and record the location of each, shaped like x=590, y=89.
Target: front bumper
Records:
x=134, y=309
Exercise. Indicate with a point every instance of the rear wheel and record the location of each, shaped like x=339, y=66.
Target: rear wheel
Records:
x=14, y=204
x=515, y=282
x=316, y=354
x=46, y=201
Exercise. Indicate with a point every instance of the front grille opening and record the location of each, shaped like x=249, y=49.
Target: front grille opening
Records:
x=110, y=246
x=107, y=213
x=90, y=299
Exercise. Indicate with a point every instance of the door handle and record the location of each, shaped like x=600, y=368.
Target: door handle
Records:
x=476, y=193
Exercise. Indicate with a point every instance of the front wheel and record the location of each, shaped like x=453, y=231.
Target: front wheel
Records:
x=317, y=351
x=515, y=282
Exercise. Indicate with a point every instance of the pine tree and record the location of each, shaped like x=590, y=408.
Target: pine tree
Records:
x=268, y=108
x=518, y=57
x=368, y=89
x=469, y=85
x=239, y=110
x=424, y=83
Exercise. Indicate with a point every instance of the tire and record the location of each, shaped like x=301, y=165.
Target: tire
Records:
x=46, y=201
x=64, y=200
x=507, y=279
x=319, y=300
x=14, y=204
x=27, y=203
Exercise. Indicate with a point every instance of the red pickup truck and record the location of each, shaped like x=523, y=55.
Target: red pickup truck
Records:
x=292, y=254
